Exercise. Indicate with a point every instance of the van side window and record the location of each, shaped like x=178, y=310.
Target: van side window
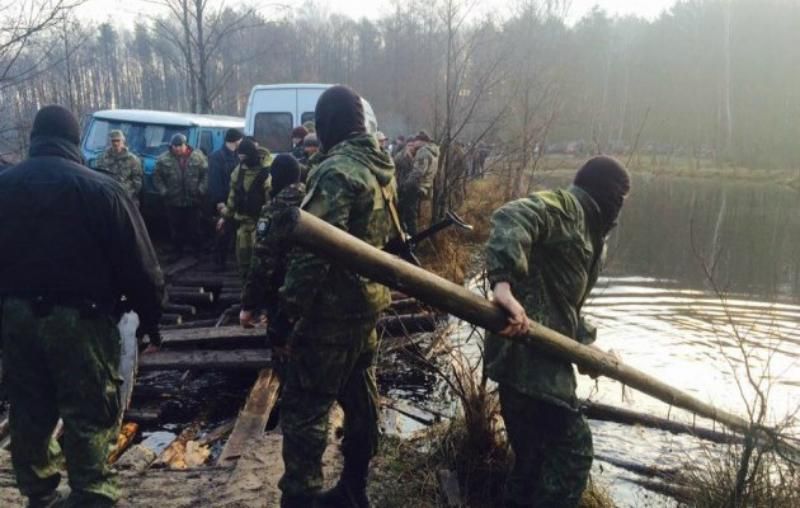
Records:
x=206, y=144
x=308, y=116
x=274, y=131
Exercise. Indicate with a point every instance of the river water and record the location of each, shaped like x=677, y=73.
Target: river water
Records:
x=700, y=274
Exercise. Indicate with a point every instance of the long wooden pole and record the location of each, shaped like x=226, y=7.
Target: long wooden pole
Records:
x=328, y=241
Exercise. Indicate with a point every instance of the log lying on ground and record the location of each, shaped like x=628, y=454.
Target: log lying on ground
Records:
x=177, y=308
x=179, y=266
x=254, y=416
x=326, y=240
x=185, y=289
x=171, y=319
x=187, y=325
x=232, y=336
x=242, y=359
x=603, y=412
x=191, y=298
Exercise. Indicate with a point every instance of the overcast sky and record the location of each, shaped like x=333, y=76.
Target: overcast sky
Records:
x=128, y=11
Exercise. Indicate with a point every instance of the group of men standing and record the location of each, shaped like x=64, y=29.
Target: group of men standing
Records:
x=82, y=256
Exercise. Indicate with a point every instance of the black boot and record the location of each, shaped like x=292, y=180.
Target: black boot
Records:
x=350, y=491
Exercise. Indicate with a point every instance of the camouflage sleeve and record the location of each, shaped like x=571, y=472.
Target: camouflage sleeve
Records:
x=422, y=167
x=137, y=175
x=265, y=263
x=515, y=228
x=231, y=194
x=330, y=199
x=202, y=183
x=158, y=178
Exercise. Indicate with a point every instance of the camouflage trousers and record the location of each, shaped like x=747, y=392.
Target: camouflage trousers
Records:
x=552, y=452
x=409, y=197
x=331, y=361
x=245, y=241
x=60, y=363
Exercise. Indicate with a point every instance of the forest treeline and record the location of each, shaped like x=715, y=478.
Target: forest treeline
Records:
x=709, y=79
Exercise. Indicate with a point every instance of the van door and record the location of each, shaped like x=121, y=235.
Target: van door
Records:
x=274, y=118
x=206, y=142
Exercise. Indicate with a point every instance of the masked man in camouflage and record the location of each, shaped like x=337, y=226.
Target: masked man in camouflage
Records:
x=543, y=257
x=418, y=183
x=181, y=178
x=122, y=164
x=73, y=244
x=250, y=184
x=334, y=341
x=268, y=265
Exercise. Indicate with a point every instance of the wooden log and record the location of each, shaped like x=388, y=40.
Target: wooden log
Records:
x=323, y=239
x=126, y=435
x=189, y=324
x=191, y=298
x=229, y=298
x=243, y=359
x=254, y=416
x=181, y=309
x=179, y=266
x=185, y=289
x=213, y=336
x=604, y=412
x=171, y=319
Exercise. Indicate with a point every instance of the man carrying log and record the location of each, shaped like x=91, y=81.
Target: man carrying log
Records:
x=73, y=244
x=543, y=258
x=334, y=342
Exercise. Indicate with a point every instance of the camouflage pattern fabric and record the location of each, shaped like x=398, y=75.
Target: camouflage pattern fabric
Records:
x=333, y=344
x=181, y=183
x=423, y=173
x=332, y=361
x=552, y=452
x=58, y=363
x=344, y=190
x=126, y=169
x=268, y=263
x=403, y=163
x=548, y=247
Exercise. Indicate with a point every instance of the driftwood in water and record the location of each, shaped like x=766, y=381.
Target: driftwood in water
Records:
x=252, y=359
x=254, y=416
x=231, y=336
x=603, y=412
x=326, y=240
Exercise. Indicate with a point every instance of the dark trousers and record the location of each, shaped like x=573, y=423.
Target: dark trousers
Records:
x=409, y=197
x=58, y=363
x=184, y=222
x=552, y=452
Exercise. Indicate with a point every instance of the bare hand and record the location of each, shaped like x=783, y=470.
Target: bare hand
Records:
x=517, y=318
x=246, y=319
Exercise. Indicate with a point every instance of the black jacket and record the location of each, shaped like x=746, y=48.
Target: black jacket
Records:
x=221, y=164
x=68, y=233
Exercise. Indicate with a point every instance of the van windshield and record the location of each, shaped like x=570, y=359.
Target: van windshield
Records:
x=274, y=130
x=148, y=140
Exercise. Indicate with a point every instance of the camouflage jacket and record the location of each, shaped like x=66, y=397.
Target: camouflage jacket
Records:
x=345, y=190
x=268, y=265
x=243, y=207
x=423, y=173
x=403, y=163
x=181, y=183
x=547, y=246
x=125, y=168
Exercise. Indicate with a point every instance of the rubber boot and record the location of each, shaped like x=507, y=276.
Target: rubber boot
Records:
x=351, y=489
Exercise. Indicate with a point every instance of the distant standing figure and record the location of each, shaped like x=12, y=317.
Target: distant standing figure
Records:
x=124, y=166
x=298, y=135
x=73, y=244
x=418, y=184
x=181, y=178
x=221, y=164
x=310, y=155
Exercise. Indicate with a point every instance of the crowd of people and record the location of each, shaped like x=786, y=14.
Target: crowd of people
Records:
x=75, y=244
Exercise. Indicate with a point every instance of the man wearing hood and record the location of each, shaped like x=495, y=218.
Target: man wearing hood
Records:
x=418, y=183
x=249, y=191
x=122, y=164
x=333, y=344
x=543, y=257
x=73, y=244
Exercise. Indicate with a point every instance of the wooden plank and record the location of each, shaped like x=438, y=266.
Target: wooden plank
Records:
x=204, y=359
x=253, y=418
x=208, y=335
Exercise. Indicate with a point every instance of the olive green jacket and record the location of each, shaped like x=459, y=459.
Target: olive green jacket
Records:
x=250, y=175
x=426, y=164
x=181, y=186
x=548, y=247
x=126, y=169
x=343, y=190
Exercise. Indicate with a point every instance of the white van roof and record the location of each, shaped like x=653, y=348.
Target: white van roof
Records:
x=169, y=118
x=293, y=86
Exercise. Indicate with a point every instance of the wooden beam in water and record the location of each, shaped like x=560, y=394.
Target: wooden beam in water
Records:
x=253, y=359
x=254, y=416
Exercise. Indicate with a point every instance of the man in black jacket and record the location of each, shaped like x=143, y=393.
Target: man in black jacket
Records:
x=221, y=164
x=74, y=244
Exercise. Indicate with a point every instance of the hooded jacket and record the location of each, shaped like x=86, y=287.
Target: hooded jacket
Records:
x=426, y=164
x=345, y=191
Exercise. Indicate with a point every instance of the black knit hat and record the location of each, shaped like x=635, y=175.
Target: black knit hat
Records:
x=250, y=151
x=233, y=135
x=285, y=171
x=339, y=116
x=58, y=122
x=607, y=181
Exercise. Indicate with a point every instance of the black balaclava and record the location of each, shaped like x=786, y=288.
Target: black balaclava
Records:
x=250, y=151
x=233, y=135
x=339, y=116
x=56, y=122
x=607, y=181
x=285, y=171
